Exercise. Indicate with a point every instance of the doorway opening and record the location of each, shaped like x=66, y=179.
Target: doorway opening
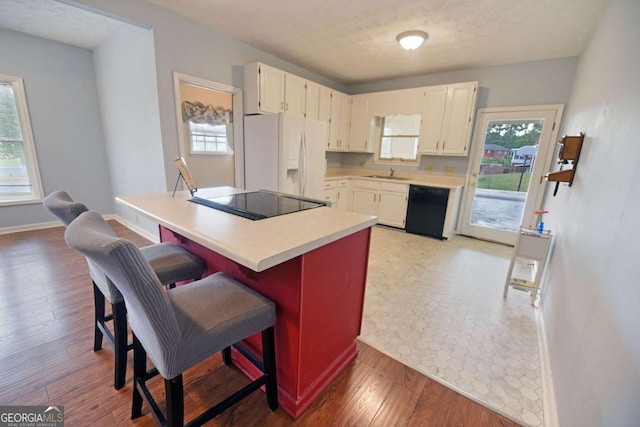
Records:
x=512, y=152
x=210, y=139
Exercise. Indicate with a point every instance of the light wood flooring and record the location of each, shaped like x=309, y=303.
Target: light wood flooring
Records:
x=46, y=357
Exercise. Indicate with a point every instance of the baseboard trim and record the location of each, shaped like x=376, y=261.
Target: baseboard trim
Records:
x=51, y=224
x=154, y=238
x=549, y=406
x=30, y=227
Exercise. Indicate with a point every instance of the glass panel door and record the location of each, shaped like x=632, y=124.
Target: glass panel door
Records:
x=510, y=157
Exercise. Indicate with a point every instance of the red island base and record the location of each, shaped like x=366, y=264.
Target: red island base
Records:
x=319, y=299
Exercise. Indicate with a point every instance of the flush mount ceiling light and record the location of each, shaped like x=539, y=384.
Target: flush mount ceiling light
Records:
x=411, y=40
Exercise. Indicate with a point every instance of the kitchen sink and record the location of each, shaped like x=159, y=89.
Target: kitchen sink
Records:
x=387, y=177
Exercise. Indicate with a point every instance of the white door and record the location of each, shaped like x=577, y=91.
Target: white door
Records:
x=504, y=188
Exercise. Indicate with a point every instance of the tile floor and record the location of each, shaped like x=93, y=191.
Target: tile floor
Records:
x=438, y=307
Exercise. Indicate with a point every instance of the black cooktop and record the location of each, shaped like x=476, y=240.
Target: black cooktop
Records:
x=258, y=204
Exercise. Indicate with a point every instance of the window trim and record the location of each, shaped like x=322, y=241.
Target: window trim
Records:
x=190, y=132
x=394, y=160
x=28, y=146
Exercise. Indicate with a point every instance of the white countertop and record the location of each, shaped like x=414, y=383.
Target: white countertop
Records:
x=438, y=181
x=257, y=245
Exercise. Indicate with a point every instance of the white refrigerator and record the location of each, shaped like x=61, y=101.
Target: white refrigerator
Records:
x=285, y=153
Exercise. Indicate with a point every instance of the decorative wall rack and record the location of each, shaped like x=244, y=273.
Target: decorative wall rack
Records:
x=570, y=147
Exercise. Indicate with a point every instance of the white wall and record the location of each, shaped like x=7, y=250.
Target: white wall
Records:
x=592, y=302
x=125, y=75
x=186, y=46
x=65, y=117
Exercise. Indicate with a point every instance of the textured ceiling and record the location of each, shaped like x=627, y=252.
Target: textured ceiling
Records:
x=57, y=21
x=354, y=41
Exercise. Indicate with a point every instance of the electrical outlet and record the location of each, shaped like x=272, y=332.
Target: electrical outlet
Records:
x=429, y=169
x=361, y=163
x=449, y=170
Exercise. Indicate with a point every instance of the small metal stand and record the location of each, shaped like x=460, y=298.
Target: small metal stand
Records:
x=191, y=190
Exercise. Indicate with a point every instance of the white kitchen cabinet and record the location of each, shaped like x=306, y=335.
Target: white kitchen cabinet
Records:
x=344, y=129
x=324, y=108
x=263, y=89
x=446, y=119
x=339, y=106
x=337, y=192
x=343, y=195
x=295, y=94
x=330, y=192
x=458, y=115
x=392, y=207
x=312, y=100
x=432, y=118
x=360, y=125
x=386, y=200
x=365, y=201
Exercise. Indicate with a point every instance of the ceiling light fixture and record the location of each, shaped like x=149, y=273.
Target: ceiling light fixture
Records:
x=411, y=40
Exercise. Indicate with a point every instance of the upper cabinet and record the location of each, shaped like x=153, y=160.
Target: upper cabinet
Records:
x=338, y=105
x=360, y=124
x=270, y=90
x=432, y=117
x=312, y=100
x=447, y=118
x=446, y=110
x=263, y=89
x=295, y=94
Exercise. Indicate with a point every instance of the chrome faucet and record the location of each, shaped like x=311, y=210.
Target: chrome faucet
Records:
x=391, y=172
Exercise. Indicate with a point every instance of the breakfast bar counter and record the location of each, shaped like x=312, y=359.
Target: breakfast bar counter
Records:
x=312, y=264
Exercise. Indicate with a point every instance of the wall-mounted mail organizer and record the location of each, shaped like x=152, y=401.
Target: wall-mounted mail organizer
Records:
x=568, y=156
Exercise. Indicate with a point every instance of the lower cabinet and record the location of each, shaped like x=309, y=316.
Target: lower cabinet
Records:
x=386, y=200
x=337, y=192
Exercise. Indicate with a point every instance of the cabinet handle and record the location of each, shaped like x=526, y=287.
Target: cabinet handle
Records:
x=282, y=105
x=437, y=145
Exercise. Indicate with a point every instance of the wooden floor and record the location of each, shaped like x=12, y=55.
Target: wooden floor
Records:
x=46, y=357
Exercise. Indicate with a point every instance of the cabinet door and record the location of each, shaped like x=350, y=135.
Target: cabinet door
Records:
x=312, y=100
x=360, y=124
x=334, y=122
x=294, y=95
x=365, y=201
x=324, y=109
x=461, y=99
x=432, y=117
x=331, y=195
x=344, y=132
x=392, y=208
x=271, y=89
x=343, y=199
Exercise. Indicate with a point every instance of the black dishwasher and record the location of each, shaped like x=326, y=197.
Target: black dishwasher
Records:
x=426, y=210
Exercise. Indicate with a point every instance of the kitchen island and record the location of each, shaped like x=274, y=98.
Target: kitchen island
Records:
x=312, y=264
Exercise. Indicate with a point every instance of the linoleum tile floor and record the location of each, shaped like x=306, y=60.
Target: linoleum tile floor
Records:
x=437, y=307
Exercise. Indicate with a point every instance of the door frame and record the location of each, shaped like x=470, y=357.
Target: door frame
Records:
x=238, y=115
x=545, y=155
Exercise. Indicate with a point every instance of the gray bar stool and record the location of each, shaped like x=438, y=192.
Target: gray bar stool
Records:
x=182, y=326
x=170, y=262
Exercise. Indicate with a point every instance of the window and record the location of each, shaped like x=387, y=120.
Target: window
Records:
x=399, y=139
x=19, y=175
x=206, y=138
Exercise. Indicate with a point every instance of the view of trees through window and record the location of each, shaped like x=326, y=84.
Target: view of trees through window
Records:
x=509, y=154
